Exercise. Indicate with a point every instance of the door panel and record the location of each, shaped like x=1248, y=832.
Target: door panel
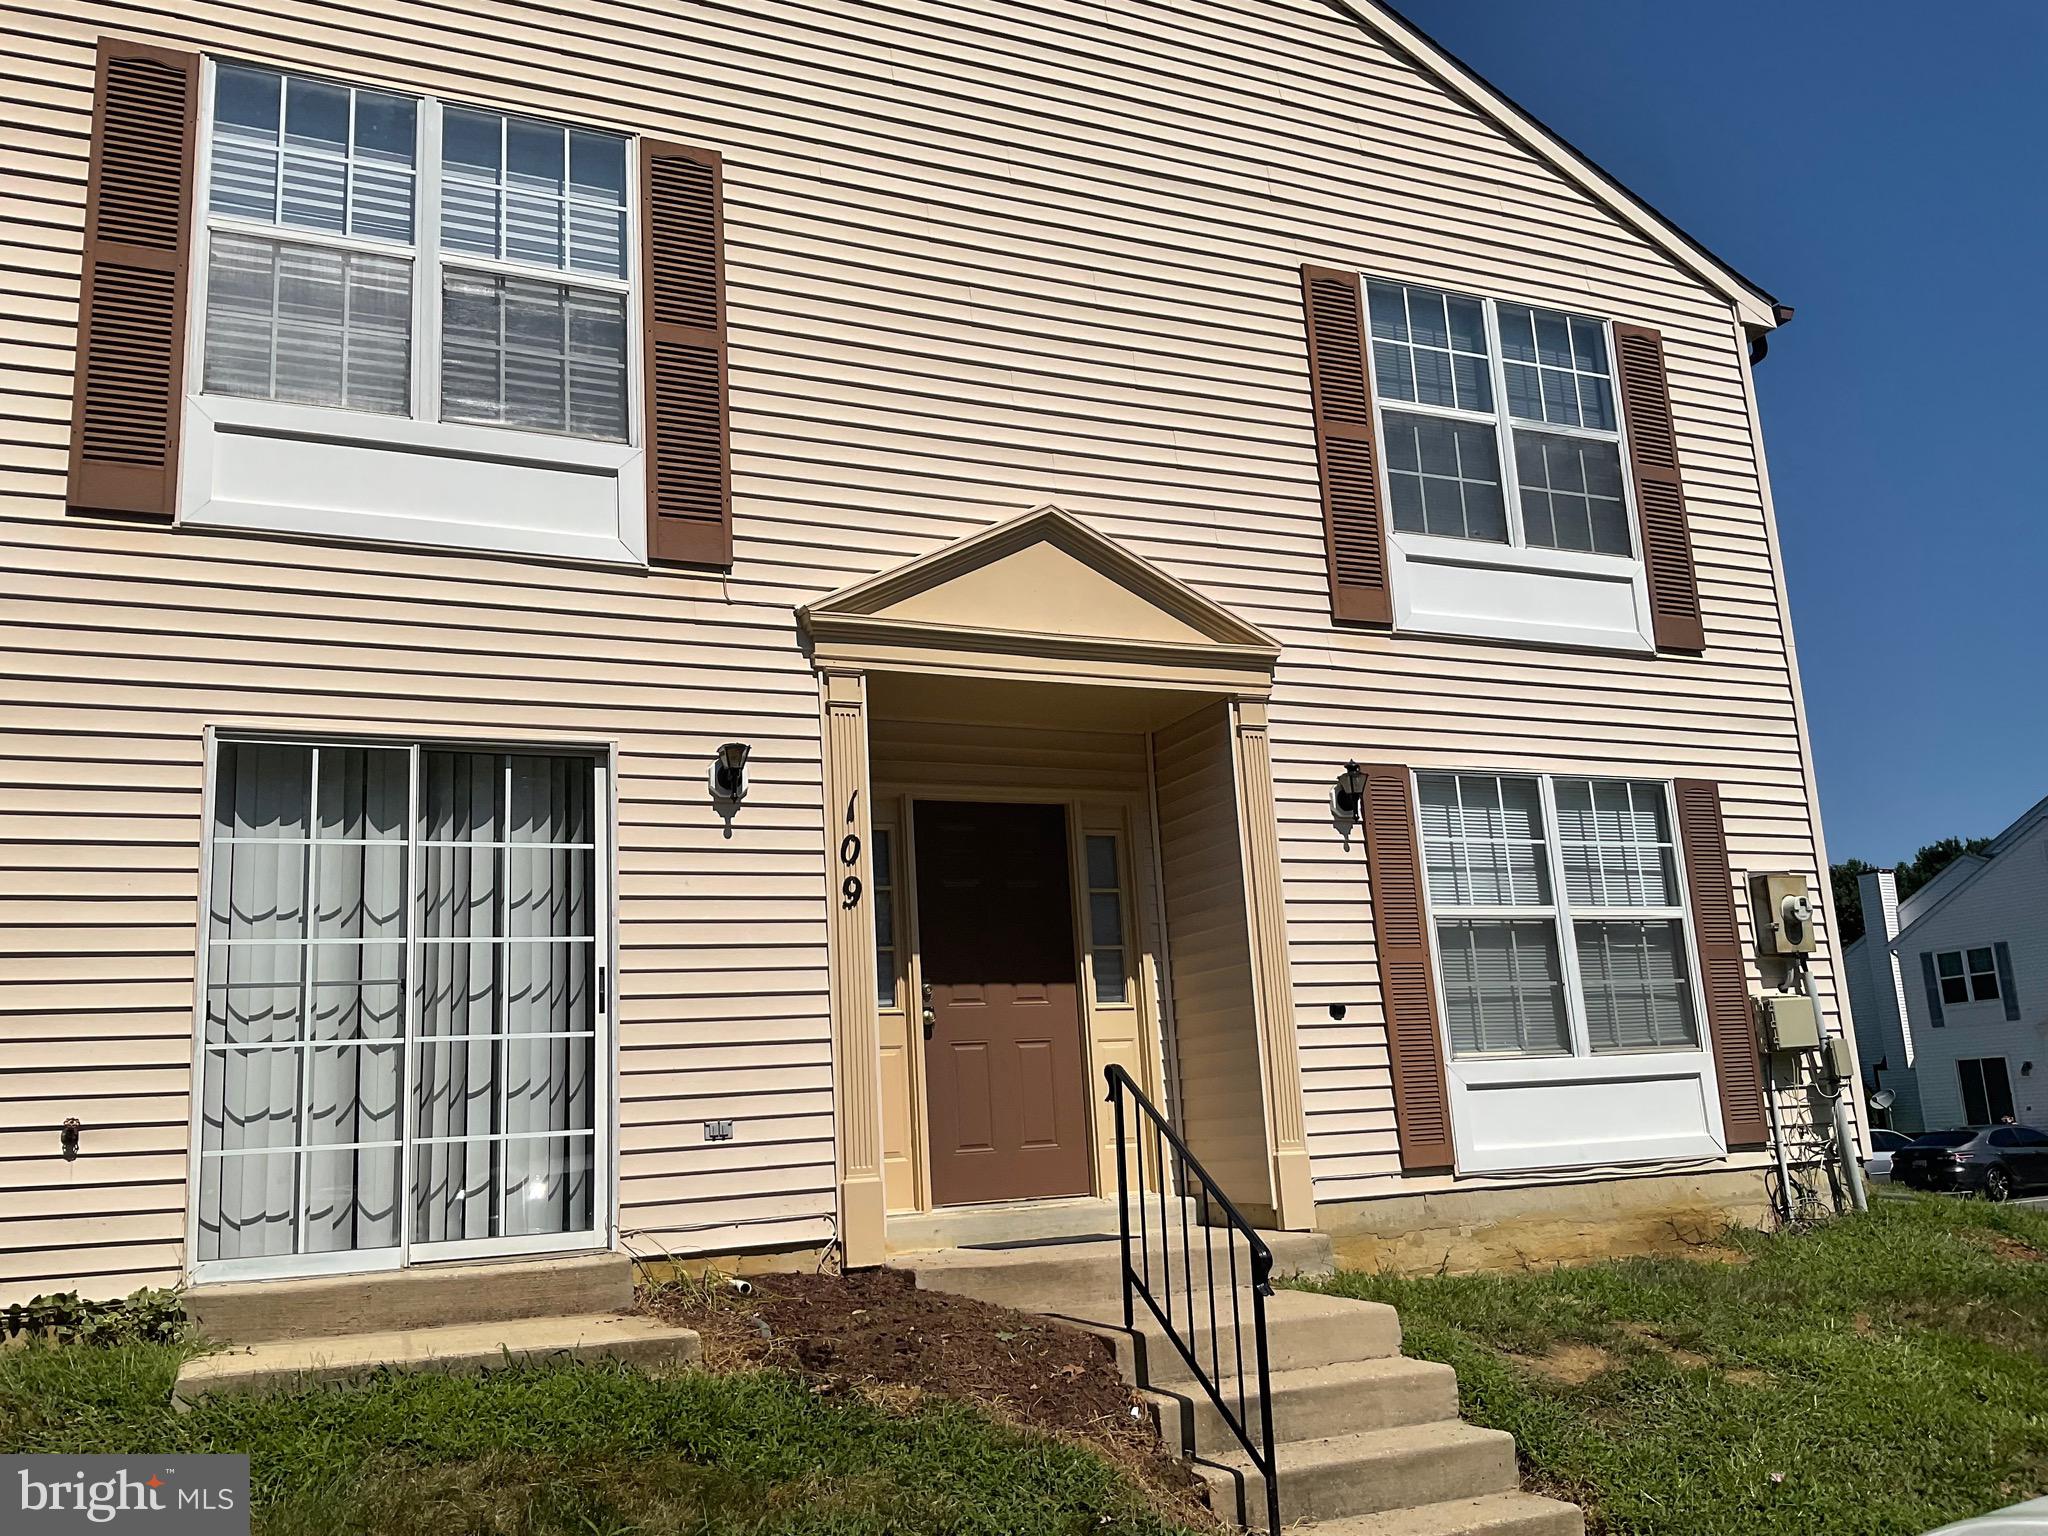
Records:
x=1008, y=1103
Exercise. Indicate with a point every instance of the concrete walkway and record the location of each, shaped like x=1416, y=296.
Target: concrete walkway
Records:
x=282, y=1334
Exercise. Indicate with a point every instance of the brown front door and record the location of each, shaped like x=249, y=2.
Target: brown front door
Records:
x=1008, y=1106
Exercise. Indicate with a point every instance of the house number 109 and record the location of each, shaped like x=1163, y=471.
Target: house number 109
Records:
x=849, y=855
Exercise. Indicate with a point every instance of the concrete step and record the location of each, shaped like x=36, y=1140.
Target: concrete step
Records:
x=1313, y=1403
x=1083, y=1276
x=1495, y=1514
x=1304, y=1331
x=425, y=1296
x=281, y=1365
x=1003, y=1224
x=1362, y=1474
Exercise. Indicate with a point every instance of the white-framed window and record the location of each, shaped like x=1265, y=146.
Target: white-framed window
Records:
x=1499, y=420
x=404, y=1014
x=1560, y=923
x=885, y=917
x=1106, y=953
x=364, y=245
x=1506, y=470
x=1573, y=1030
x=1967, y=975
x=414, y=320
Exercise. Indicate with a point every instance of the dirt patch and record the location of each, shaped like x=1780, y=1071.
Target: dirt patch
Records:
x=2012, y=1248
x=1572, y=1364
x=1691, y=1359
x=874, y=1335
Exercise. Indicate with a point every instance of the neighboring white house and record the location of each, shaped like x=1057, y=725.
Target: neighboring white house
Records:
x=1949, y=988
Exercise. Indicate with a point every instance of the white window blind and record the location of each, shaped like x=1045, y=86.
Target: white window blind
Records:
x=1511, y=860
x=325, y=286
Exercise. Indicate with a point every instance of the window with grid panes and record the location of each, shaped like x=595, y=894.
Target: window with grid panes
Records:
x=1560, y=921
x=1498, y=421
x=1106, y=920
x=1967, y=975
x=379, y=252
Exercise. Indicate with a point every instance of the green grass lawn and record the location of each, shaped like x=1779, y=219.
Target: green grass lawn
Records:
x=1878, y=1377
x=577, y=1451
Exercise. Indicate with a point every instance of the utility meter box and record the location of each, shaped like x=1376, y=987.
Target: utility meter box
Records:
x=1837, y=1060
x=1784, y=914
x=1790, y=1023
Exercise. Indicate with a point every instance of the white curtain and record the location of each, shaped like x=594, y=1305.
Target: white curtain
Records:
x=305, y=1002
x=505, y=1096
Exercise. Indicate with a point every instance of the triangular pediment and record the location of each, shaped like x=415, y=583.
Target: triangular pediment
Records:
x=1046, y=575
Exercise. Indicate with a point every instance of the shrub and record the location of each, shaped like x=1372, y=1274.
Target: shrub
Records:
x=146, y=1317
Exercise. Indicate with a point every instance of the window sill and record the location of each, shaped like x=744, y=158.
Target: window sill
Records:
x=1528, y=596
x=327, y=473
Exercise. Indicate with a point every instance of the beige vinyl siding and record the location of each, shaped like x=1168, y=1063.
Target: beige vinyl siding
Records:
x=1215, y=1061
x=979, y=258
x=916, y=756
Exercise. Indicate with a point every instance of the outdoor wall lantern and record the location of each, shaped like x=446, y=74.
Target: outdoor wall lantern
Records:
x=1347, y=794
x=728, y=776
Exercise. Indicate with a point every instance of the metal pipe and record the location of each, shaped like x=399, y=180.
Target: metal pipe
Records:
x=1838, y=1108
x=1777, y=1134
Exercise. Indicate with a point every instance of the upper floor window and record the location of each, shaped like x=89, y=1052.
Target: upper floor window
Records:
x=1967, y=975
x=1560, y=920
x=1499, y=422
x=390, y=254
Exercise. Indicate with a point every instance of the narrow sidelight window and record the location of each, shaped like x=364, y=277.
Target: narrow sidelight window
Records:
x=1106, y=950
x=885, y=916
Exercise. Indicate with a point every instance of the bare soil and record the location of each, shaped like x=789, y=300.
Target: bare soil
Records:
x=873, y=1334
x=1572, y=1364
x=2012, y=1248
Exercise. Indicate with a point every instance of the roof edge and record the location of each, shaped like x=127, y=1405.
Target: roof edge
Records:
x=2024, y=823
x=1757, y=308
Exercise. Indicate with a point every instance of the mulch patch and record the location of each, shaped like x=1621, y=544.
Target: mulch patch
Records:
x=875, y=1335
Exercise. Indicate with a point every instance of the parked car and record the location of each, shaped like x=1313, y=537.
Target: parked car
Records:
x=1878, y=1166
x=2028, y=1519
x=1998, y=1162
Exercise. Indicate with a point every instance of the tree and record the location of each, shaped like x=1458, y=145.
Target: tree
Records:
x=1849, y=898
x=1915, y=872
x=1933, y=859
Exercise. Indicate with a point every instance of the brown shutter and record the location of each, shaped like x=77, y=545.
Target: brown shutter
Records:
x=129, y=388
x=1730, y=1020
x=1422, y=1110
x=682, y=261
x=1341, y=390
x=1660, y=493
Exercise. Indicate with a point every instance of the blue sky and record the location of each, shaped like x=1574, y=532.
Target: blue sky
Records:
x=1883, y=168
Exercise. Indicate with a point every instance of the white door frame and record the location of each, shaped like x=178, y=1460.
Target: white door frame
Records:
x=603, y=1232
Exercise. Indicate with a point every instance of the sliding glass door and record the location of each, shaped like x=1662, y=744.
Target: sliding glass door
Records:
x=403, y=1021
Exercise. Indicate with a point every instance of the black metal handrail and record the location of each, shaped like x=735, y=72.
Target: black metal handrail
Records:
x=1217, y=1212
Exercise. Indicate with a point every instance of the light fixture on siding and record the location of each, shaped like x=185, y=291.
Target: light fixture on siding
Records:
x=728, y=775
x=1348, y=794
